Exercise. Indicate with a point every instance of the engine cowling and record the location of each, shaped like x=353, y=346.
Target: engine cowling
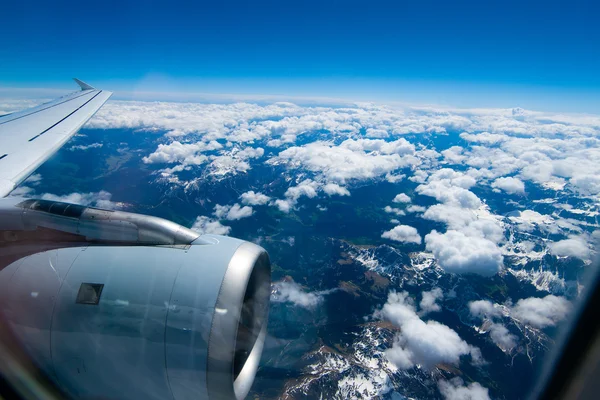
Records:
x=137, y=321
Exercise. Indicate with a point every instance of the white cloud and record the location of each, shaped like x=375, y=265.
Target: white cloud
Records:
x=429, y=301
x=484, y=138
x=392, y=210
x=33, y=179
x=205, y=224
x=400, y=146
x=454, y=216
x=25, y=189
x=233, y=212
x=454, y=155
x=451, y=195
x=455, y=389
x=184, y=153
x=575, y=246
x=502, y=337
x=401, y=198
x=306, y=188
x=470, y=243
x=483, y=309
x=335, y=189
x=510, y=185
x=459, y=254
x=499, y=334
x=352, y=160
x=291, y=292
x=254, y=199
x=101, y=199
x=533, y=311
x=413, y=208
x=450, y=187
x=528, y=220
x=557, y=151
x=421, y=343
x=376, y=133
x=541, y=312
x=479, y=223
x=250, y=152
x=403, y=233
x=283, y=205
x=86, y=147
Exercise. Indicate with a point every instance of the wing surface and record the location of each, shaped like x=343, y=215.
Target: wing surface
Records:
x=29, y=137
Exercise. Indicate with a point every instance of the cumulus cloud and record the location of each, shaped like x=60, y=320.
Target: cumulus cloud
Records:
x=459, y=254
x=284, y=206
x=421, y=343
x=184, y=153
x=392, y=210
x=454, y=216
x=250, y=152
x=335, y=189
x=450, y=187
x=533, y=311
x=483, y=309
x=541, y=312
x=415, y=209
x=254, y=199
x=557, y=151
x=101, y=199
x=233, y=212
x=502, y=337
x=499, y=334
x=454, y=155
x=445, y=193
x=376, y=133
x=470, y=243
x=455, y=389
x=352, y=160
x=528, y=220
x=510, y=185
x=291, y=292
x=472, y=223
x=205, y=224
x=403, y=233
x=307, y=188
x=575, y=246
x=429, y=301
x=401, y=198
x=484, y=138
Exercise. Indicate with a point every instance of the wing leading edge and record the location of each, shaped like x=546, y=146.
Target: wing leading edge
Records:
x=29, y=137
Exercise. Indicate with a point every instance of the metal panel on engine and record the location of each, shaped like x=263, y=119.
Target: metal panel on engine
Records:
x=98, y=350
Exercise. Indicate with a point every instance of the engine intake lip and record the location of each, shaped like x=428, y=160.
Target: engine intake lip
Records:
x=239, y=324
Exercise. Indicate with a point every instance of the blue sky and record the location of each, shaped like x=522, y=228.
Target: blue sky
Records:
x=534, y=54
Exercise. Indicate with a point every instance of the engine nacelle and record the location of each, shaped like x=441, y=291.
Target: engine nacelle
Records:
x=137, y=321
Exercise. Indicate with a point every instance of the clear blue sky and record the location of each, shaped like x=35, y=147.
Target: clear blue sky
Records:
x=537, y=54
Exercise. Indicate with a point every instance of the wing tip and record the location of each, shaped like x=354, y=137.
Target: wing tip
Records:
x=83, y=85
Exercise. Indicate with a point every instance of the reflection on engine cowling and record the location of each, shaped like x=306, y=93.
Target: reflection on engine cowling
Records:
x=130, y=322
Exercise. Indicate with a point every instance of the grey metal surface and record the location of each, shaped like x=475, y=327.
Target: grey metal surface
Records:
x=192, y=307
x=92, y=223
x=225, y=328
x=116, y=349
x=159, y=309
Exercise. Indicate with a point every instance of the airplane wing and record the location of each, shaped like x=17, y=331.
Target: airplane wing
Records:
x=29, y=137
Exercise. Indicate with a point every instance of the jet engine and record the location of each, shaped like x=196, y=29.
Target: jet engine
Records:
x=116, y=305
